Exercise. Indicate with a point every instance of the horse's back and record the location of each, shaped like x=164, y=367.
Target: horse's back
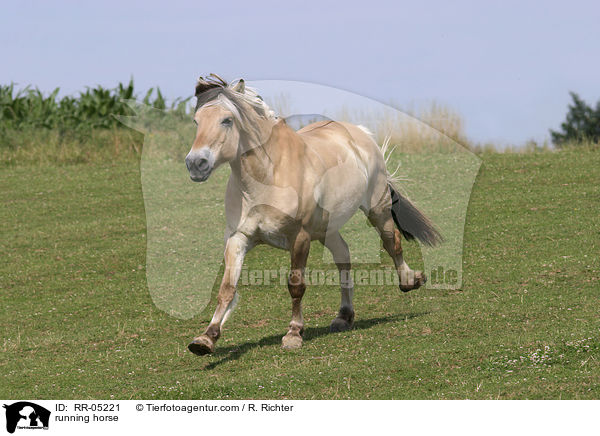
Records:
x=334, y=139
x=352, y=167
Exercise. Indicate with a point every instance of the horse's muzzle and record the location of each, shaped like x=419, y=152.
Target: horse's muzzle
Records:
x=199, y=168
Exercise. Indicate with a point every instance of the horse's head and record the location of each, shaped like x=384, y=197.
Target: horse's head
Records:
x=231, y=119
x=218, y=131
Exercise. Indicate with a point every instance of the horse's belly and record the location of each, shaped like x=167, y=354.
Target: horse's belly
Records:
x=332, y=219
x=340, y=193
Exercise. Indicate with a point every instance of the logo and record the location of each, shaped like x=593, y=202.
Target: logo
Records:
x=26, y=415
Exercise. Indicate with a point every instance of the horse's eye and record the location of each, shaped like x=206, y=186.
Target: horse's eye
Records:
x=227, y=122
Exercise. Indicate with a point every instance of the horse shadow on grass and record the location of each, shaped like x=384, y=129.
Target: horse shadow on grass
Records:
x=234, y=352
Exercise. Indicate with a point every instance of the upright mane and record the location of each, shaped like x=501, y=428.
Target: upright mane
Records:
x=253, y=115
x=210, y=89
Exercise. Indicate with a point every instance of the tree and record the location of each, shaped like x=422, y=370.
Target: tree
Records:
x=582, y=123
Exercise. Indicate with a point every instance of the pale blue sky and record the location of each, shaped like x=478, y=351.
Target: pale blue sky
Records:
x=505, y=66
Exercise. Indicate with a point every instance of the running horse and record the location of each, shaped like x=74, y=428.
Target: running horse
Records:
x=288, y=188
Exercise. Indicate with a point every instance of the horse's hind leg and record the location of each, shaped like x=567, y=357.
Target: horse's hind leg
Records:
x=297, y=286
x=235, y=250
x=341, y=256
x=390, y=235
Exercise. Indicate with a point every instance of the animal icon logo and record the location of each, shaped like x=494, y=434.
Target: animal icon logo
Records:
x=26, y=415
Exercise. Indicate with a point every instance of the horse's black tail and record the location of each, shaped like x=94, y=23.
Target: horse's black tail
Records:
x=411, y=221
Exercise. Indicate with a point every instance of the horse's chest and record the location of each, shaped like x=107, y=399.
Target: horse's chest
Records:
x=267, y=228
x=271, y=234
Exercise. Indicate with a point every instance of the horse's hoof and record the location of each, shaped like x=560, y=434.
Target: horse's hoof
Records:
x=291, y=342
x=339, y=325
x=201, y=345
x=419, y=280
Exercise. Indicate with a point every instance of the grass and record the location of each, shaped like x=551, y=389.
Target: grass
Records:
x=42, y=147
x=77, y=319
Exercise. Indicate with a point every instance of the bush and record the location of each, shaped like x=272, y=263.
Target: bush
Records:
x=95, y=108
x=581, y=126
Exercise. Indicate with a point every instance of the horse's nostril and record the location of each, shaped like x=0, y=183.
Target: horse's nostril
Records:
x=197, y=164
x=202, y=164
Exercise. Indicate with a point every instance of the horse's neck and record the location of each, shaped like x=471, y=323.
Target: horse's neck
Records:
x=254, y=167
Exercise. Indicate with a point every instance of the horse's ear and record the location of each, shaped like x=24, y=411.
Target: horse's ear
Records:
x=240, y=86
x=201, y=86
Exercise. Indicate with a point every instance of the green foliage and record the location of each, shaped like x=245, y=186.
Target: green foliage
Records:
x=96, y=108
x=582, y=124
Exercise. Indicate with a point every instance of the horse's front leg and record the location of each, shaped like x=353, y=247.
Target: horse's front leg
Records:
x=236, y=248
x=296, y=286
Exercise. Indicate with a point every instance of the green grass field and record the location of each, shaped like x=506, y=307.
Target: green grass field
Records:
x=77, y=320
